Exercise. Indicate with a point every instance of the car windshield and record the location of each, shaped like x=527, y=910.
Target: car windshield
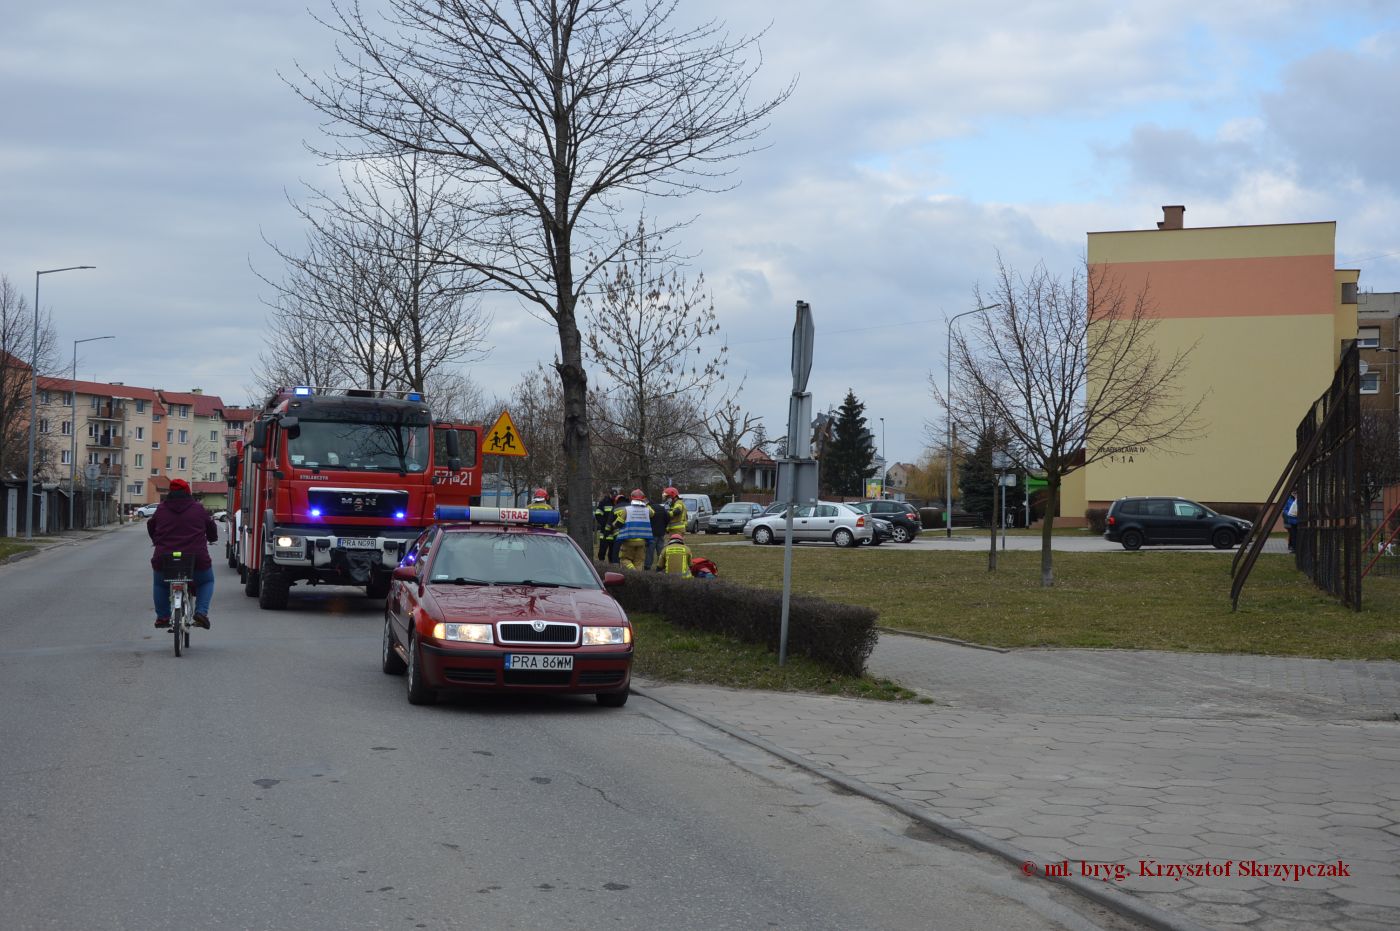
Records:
x=487, y=558
x=368, y=447
x=736, y=507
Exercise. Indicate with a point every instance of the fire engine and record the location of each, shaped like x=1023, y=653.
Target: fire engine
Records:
x=334, y=484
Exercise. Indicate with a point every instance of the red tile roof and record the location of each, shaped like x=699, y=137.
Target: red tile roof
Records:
x=100, y=388
x=203, y=405
x=209, y=488
x=240, y=414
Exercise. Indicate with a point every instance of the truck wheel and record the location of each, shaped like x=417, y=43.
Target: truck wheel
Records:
x=275, y=585
x=252, y=581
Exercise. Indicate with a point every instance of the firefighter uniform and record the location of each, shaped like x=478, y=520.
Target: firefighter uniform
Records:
x=604, y=515
x=675, y=509
x=633, y=523
x=675, y=558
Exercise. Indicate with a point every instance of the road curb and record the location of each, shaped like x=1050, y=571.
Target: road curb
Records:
x=955, y=642
x=1114, y=899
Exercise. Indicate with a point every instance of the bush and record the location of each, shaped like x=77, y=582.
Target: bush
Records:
x=1096, y=518
x=840, y=636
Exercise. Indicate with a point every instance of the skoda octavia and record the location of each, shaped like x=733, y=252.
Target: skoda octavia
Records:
x=498, y=602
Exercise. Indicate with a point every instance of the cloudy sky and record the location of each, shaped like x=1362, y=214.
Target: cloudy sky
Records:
x=156, y=141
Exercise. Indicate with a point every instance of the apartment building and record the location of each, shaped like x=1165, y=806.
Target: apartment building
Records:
x=1378, y=338
x=98, y=424
x=1264, y=313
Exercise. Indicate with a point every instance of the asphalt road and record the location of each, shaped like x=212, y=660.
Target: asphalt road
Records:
x=274, y=778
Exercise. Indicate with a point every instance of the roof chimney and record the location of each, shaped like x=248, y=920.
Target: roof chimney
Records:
x=1172, y=217
x=201, y=390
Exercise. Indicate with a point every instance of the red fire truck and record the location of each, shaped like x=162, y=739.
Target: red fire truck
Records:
x=460, y=486
x=333, y=487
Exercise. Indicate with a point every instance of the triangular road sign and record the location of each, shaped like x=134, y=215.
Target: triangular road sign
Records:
x=504, y=439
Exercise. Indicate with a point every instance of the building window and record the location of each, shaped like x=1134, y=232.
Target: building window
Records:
x=93, y=459
x=169, y=436
x=1371, y=383
x=183, y=410
x=155, y=444
x=96, y=403
x=66, y=428
x=140, y=433
x=213, y=436
x=140, y=409
x=213, y=456
x=67, y=399
x=184, y=464
x=66, y=457
x=44, y=396
x=134, y=488
x=92, y=429
x=184, y=436
x=1368, y=337
x=140, y=460
x=155, y=418
x=43, y=425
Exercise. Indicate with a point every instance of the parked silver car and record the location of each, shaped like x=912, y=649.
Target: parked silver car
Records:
x=732, y=517
x=824, y=522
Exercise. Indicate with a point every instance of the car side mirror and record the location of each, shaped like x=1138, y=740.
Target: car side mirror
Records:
x=614, y=579
x=406, y=573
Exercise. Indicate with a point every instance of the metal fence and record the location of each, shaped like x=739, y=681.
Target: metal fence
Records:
x=1325, y=473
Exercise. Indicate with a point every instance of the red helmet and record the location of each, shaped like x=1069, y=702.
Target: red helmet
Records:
x=638, y=495
x=671, y=492
x=541, y=494
x=679, y=537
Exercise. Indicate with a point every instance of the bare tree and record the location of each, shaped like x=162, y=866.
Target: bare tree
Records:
x=16, y=378
x=731, y=433
x=646, y=332
x=549, y=112
x=1378, y=452
x=1072, y=370
x=376, y=290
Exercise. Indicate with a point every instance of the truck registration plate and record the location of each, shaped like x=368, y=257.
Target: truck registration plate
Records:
x=359, y=543
x=538, y=661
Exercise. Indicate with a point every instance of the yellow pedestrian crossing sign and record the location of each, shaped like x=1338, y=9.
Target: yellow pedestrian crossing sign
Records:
x=504, y=439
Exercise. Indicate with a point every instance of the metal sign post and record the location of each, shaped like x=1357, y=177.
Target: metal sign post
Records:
x=797, y=474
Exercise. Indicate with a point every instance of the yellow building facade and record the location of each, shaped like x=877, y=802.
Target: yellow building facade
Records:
x=1263, y=312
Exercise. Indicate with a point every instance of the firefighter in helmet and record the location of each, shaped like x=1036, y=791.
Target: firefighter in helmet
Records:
x=675, y=509
x=540, y=502
x=633, y=522
x=603, y=515
x=675, y=558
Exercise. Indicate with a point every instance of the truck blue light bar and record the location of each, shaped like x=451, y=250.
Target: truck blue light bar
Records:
x=480, y=515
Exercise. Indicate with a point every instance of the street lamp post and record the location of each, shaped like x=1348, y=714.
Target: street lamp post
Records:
x=34, y=399
x=73, y=441
x=884, y=459
x=948, y=401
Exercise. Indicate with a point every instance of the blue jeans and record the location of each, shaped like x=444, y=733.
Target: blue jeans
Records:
x=654, y=548
x=204, y=583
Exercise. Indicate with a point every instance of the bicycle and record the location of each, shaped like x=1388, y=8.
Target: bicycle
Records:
x=178, y=571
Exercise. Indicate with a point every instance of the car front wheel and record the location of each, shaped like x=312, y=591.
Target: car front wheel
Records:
x=1131, y=539
x=763, y=536
x=1222, y=539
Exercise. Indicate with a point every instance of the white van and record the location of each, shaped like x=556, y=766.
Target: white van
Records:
x=697, y=512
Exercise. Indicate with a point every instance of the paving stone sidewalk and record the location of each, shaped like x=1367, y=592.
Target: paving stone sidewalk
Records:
x=1135, y=761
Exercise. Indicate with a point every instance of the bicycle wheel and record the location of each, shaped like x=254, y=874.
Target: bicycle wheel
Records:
x=178, y=604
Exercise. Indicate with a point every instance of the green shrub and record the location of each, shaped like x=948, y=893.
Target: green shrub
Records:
x=840, y=636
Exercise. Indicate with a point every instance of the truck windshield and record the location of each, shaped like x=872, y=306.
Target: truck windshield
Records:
x=369, y=447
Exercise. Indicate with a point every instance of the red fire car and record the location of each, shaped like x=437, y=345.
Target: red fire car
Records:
x=491, y=600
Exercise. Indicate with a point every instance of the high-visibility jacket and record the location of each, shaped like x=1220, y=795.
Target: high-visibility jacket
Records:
x=633, y=521
x=679, y=517
x=675, y=559
x=605, y=514
x=540, y=506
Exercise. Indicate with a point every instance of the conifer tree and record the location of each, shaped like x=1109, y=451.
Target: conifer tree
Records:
x=850, y=456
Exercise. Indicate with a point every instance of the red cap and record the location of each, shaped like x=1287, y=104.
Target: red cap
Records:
x=179, y=484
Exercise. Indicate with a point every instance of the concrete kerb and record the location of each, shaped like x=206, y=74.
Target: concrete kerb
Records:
x=1121, y=902
x=954, y=641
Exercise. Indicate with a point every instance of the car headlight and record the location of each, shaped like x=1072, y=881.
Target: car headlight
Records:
x=466, y=633
x=604, y=636
x=287, y=543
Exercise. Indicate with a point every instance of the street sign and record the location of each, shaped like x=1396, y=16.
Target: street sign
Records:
x=504, y=439
x=803, y=337
x=799, y=426
x=798, y=481
x=91, y=471
x=1035, y=484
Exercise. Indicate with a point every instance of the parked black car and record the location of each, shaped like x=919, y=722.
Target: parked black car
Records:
x=732, y=517
x=903, y=517
x=1153, y=521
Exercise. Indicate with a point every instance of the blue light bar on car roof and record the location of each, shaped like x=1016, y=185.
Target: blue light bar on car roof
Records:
x=480, y=515
x=302, y=391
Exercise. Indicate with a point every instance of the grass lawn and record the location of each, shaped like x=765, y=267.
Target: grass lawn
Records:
x=1143, y=600
x=8, y=549
x=674, y=655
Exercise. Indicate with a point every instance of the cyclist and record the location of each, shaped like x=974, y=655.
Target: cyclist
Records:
x=181, y=524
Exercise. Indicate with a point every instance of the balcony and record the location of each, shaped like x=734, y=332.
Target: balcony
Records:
x=110, y=410
x=105, y=441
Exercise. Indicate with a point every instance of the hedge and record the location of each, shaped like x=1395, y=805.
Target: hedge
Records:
x=840, y=636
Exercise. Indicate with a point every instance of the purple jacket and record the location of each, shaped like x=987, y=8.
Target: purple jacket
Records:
x=182, y=525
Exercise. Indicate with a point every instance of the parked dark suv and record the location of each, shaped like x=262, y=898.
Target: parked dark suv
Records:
x=904, y=517
x=1137, y=522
